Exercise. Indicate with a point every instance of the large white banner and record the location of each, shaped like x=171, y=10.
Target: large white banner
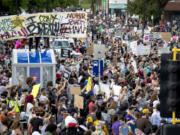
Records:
x=68, y=24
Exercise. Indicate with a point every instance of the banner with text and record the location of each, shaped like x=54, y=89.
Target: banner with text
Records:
x=68, y=24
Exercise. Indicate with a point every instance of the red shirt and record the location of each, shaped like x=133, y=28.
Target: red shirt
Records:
x=91, y=104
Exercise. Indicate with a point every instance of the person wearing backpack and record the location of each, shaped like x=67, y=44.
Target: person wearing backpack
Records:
x=99, y=120
x=92, y=116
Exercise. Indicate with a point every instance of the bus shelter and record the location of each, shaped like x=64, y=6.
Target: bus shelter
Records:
x=40, y=65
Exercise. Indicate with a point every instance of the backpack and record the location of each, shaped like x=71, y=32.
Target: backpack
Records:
x=90, y=118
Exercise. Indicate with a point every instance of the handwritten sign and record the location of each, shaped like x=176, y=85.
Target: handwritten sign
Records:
x=68, y=24
x=156, y=35
x=75, y=90
x=143, y=50
x=78, y=101
x=146, y=38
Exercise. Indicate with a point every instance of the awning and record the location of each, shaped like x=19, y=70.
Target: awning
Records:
x=172, y=6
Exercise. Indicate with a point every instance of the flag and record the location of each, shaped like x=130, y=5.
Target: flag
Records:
x=88, y=86
x=35, y=90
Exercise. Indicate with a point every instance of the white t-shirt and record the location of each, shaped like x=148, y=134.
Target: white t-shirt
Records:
x=28, y=108
x=36, y=133
x=43, y=98
x=61, y=68
x=96, y=89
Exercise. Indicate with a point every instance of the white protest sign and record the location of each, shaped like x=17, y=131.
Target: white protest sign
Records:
x=157, y=35
x=116, y=90
x=146, y=38
x=134, y=64
x=143, y=50
x=162, y=50
x=105, y=89
x=147, y=31
x=133, y=46
x=139, y=31
x=135, y=29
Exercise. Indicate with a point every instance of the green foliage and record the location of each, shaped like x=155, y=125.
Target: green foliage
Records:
x=36, y=5
x=151, y=8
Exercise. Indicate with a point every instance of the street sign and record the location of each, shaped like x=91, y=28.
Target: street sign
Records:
x=96, y=67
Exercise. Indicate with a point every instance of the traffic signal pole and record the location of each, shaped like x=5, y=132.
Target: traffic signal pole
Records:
x=174, y=121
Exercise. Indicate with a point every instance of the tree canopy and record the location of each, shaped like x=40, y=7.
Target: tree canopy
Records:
x=35, y=5
x=147, y=9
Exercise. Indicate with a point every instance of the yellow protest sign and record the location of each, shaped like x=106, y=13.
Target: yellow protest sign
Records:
x=88, y=86
x=35, y=90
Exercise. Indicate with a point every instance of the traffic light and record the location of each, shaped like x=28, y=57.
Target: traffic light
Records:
x=169, y=86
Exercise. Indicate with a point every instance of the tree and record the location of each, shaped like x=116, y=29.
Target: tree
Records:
x=147, y=9
x=35, y=5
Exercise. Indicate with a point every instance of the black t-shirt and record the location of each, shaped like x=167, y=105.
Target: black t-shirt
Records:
x=36, y=123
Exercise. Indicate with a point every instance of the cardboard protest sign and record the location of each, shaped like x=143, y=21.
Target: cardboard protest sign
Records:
x=166, y=36
x=75, y=90
x=78, y=101
x=89, y=50
x=114, y=60
x=68, y=24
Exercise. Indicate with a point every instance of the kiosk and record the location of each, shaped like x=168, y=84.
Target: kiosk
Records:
x=40, y=65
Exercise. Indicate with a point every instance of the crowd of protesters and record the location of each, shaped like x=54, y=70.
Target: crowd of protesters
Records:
x=134, y=112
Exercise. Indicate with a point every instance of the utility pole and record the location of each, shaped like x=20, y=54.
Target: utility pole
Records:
x=92, y=6
x=47, y=10
x=159, y=10
x=16, y=6
x=144, y=19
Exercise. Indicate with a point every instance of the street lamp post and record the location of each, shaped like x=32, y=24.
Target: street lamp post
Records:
x=159, y=11
x=144, y=19
x=47, y=5
x=92, y=6
x=16, y=6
